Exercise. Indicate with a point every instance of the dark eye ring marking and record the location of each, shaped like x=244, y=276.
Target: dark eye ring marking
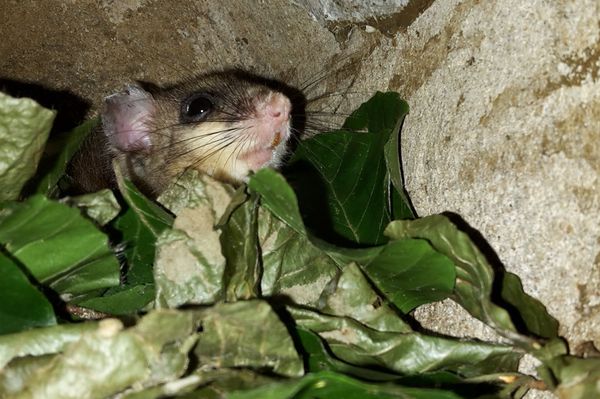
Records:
x=196, y=107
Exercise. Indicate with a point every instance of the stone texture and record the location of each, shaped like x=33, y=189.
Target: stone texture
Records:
x=355, y=11
x=509, y=119
x=92, y=47
x=504, y=126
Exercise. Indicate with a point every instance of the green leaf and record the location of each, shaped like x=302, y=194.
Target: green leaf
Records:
x=411, y=273
x=139, y=246
x=298, y=265
x=24, y=129
x=101, y=206
x=217, y=382
x=401, y=205
x=152, y=216
x=69, y=144
x=89, y=362
x=341, y=179
x=278, y=197
x=350, y=294
x=40, y=342
x=140, y=225
x=405, y=353
x=122, y=300
x=328, y=384
x=572, y=377
x=319, y=359
x=247, y=334
x=280, y=200
x=474, y=277
x=292, y=265
x=22, y=306
x=91, y=276
x=532, y=312
x=102, y=357
x=57, y=245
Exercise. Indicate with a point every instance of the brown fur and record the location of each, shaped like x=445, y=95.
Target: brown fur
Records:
x=175, y=144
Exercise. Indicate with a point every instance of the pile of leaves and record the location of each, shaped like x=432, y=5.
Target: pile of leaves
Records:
x=299, y=284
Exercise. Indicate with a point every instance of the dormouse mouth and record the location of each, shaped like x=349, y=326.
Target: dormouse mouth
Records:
x=276, y=140
x=269, y=153
x=268, y=131
x=273, y=145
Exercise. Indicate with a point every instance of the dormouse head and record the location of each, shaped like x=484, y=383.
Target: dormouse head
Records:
x=226, y=124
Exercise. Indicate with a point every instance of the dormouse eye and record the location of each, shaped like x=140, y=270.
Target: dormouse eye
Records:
x=196, y=107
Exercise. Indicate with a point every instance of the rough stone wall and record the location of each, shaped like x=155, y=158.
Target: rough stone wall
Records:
x=505, y=130
x=504, y=126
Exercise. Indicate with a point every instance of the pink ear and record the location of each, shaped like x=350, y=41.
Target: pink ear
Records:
x=126, y=119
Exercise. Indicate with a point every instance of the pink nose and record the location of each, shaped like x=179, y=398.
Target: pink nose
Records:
x=278, y=107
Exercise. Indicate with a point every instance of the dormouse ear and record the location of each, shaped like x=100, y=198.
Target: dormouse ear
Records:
x=126, y=119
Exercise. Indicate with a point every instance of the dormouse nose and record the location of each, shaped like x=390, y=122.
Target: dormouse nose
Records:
x=276, y=106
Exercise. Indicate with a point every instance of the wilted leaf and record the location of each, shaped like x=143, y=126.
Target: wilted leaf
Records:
x=103, y=358
x=474, y=277
x=317, y=359
x=40, y=341
x=247, y=334
x=408, y=353
x=22, y=306
x=328, y=384
x=15, y=378
x=239, y=245
x=299, y=265
x=172, y=335
x=205, y=383
x=351, y=295
x=193, y=189
x=190, y=266
x=58, y=245
x=292, y=265
x=574, y=378
x=96, y=361
x=24, y=128
x=101, y=206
